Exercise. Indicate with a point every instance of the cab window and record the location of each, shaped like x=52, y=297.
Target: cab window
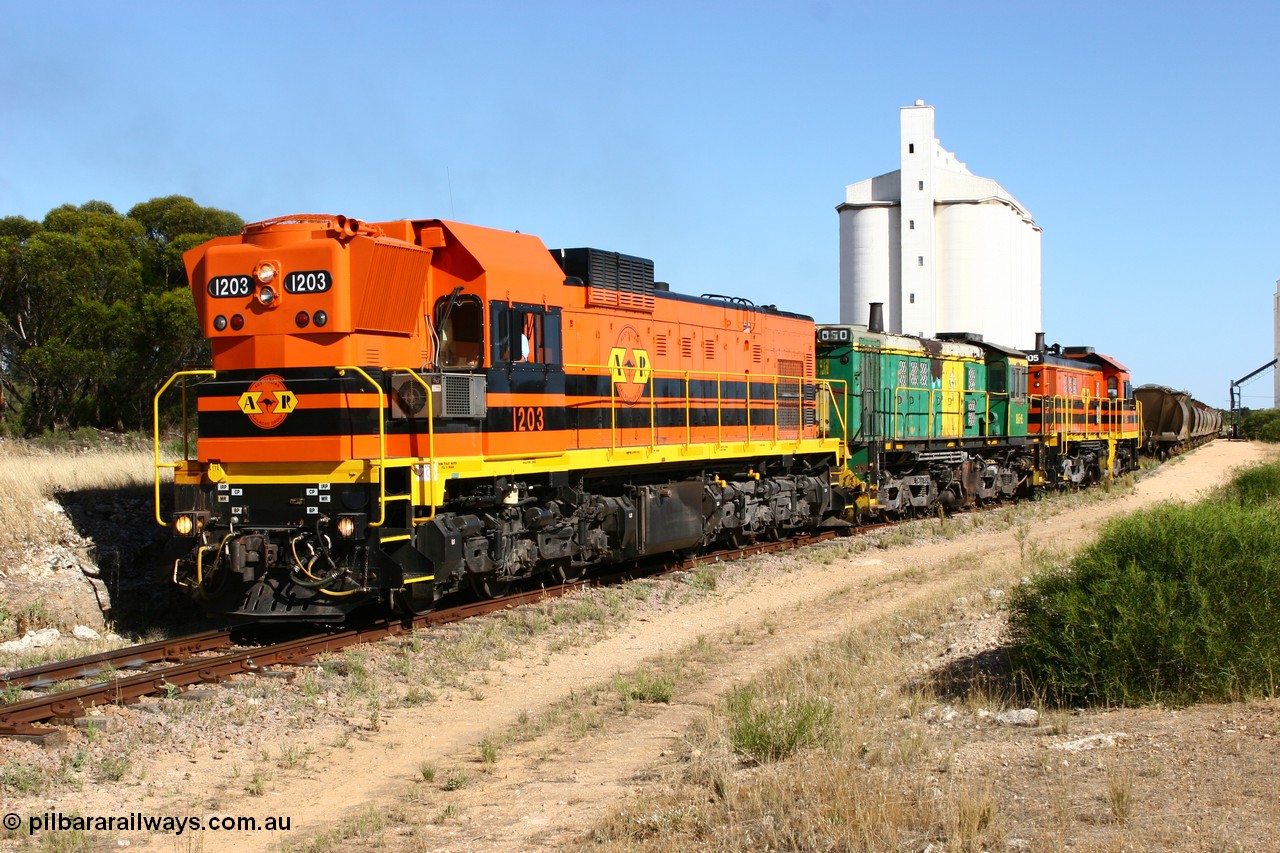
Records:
x=1018, y=388
x=525, y=334
x=997, y=380
x=460, y=324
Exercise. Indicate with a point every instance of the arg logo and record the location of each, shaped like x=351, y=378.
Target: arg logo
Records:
x=629, y=366
x=267, y=402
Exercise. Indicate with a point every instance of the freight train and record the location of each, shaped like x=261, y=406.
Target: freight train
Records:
x=399, y=410
x=1174, y=421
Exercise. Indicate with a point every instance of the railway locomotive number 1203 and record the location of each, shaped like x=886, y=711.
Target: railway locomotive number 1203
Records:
x=528, y=419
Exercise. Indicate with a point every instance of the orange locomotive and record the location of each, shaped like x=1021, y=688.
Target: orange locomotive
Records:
x=1083, y=411
x=401, y=409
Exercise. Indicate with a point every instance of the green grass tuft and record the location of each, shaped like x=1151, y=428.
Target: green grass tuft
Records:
x=765, y=727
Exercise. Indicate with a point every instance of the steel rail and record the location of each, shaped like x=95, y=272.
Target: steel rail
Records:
x=130, y=657
x=16, y=719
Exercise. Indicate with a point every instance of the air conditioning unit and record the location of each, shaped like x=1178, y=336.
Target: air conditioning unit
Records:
x=453, y=395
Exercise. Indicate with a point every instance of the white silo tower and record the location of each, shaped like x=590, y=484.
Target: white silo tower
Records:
x=943, y=249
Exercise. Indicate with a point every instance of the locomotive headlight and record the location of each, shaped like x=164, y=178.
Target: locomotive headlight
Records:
x=267, y=296
x=346, y=527
x=266, y=272
x=184, y=525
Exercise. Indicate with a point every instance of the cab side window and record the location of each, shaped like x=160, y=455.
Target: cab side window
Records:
x=997, y=383
x=1018, y=388
x=461, y=330
x=525, y=334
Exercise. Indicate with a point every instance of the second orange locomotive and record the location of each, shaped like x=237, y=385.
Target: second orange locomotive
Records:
x=400, y=409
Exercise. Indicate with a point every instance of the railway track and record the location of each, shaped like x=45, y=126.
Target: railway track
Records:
x=178, y=664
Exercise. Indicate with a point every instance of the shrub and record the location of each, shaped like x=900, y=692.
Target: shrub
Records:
x=1175, y=604
x=647, y=686
x=1254, y=486
x=767, y=727
x=1263, y=424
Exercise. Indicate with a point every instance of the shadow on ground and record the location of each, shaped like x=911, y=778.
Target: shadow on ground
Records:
x=987, y=673
x=134, y=559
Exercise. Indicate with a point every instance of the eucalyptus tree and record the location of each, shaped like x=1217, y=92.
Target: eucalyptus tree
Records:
x=94, y=309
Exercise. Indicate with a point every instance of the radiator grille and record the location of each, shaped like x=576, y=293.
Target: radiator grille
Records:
x=612, y=280
x=463, y=396
x=790, y=377
x=391, y=292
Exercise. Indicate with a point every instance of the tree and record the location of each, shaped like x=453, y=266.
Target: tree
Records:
x=173, y=225
x=94, y=309
x=1261, y=424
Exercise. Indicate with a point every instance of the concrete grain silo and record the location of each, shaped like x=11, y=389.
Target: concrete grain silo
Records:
x=943, y=249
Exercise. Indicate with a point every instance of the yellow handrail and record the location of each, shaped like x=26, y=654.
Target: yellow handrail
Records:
x=825, y=387
x=688, y=413
x=719, y=411
x=720, y=377
x=382, y=442
x=155, y=430
x=431, y=438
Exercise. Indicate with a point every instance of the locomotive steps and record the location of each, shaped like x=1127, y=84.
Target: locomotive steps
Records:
x=537, y=726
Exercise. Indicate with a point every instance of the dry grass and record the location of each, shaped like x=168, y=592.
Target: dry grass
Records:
x=823, y=752
x=31, y=477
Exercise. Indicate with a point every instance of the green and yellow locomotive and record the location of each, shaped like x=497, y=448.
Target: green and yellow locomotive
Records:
x=956, y=421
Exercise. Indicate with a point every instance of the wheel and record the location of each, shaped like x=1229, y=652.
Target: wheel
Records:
x=490, y=586
x=563, y=572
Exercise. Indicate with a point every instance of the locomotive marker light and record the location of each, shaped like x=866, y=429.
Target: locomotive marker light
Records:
x=189, y=523
x=351, y=525
x=266, y=272
x=267, y=296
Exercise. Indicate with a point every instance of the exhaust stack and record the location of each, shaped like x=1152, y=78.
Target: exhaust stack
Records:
x=875, y=322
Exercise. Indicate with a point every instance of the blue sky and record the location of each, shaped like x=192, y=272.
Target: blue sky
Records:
x=713, y=137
